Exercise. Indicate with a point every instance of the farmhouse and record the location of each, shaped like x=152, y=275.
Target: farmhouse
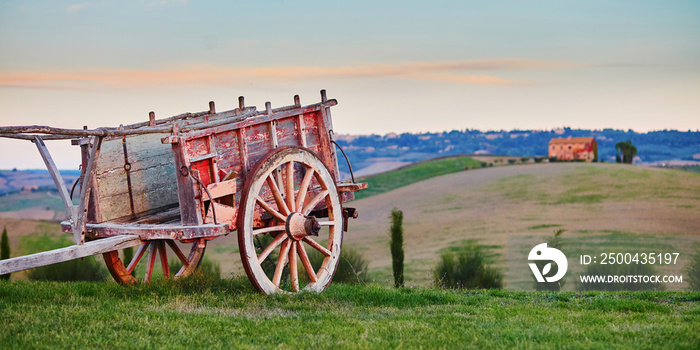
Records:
x=573, y=148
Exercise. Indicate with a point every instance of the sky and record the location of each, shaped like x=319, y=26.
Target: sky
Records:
x=393, y=66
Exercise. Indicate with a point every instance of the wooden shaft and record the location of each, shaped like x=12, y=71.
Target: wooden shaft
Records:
x=307, y=264
x=293, y=273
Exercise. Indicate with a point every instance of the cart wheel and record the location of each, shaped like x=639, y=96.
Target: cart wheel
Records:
x=151, y=249
x=290, y=206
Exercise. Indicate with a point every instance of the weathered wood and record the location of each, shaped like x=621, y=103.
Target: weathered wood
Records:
x=190, y=213
x=258, y=119
x=327, y=153
x=174, y=231
x=69, y=253
x=220, y=189
x=152, y=173
x=224, y=214
x=162, y=126
x=351, y=187
x=86, y=194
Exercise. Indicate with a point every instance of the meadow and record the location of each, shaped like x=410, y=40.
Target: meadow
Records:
x=484, y=205
x=491, y=205
x=209, y=313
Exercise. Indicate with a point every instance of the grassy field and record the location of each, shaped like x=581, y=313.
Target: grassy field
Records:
x=201, y=313
x=394, y=179
x=495, y=203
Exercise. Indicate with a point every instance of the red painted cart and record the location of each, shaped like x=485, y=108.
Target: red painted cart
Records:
x=169, y=186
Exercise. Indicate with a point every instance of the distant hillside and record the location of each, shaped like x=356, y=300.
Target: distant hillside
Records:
x=366, y=150
x=494, y=203
x=13, y=181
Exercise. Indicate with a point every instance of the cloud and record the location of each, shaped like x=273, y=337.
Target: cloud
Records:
x=451, y=71
x=76, y=7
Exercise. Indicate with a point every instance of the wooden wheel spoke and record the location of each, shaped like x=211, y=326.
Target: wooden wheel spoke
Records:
x=289, y=181
x=317, y=246
x=293, y=273
x=157, y=249
x=279, y=239
x=305, y=261
x=289, y=187
x=178, y=252
x=301, y=196
x=137, y=258
x=268, y=230
x=281, y=262
x=312, y=204
x=164, y=259
x=278, y=196
x=151, y=261
x=270, y=209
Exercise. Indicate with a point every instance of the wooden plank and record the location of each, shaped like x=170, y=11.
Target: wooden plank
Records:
x=203, y=157
x=69, y=253
x=152, y=172
x=260, y=119
x=351, y=187
x=158, y=231
x=86, y=192
x=220, y=189
x=190, y=213
x=224, y=214
x=326, y=154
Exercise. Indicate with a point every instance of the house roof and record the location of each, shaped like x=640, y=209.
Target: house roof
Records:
x=572, y=140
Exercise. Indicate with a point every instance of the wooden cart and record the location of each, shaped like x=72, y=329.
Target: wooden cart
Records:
x=172, y=185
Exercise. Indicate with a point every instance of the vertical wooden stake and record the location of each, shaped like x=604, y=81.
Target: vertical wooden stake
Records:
x=268, y=108
x=241, y=102
x=212, y=108
x=297, y=101
x=151, y=118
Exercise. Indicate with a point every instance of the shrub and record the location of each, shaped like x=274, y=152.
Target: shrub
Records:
x=691, y=271
x=396, y=245
x=4, y=251
x=467, y=269
x=207, y=267
x=511, y=161
x=352, y=267
x=128, y=256
x=85, y=269
x=524, y=159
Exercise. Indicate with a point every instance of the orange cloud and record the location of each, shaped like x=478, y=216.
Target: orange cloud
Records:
x=207, y=74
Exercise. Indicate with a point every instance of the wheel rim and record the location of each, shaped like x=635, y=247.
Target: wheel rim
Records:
x=154, y=254
x=290, y=195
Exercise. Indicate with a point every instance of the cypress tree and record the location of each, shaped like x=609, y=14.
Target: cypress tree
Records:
x=396, y=244
x=4, y=250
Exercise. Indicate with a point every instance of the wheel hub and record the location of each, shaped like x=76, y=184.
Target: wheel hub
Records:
x=299, y=226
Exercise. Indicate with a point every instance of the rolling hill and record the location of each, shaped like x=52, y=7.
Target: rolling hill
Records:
x=491, y=204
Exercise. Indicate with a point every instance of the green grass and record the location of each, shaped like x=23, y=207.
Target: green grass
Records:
x=394, y=179
x=228, y=314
